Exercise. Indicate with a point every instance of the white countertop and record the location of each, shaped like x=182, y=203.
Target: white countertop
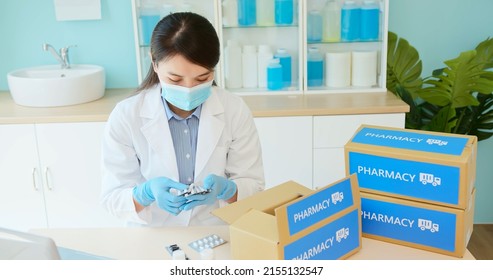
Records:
x=149, y=244
x=261, y=106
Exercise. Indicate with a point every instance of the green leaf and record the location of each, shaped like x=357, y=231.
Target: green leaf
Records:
x=455, y=99
x=456, y=83
x=483, y=85
x=404, y=66
x=465, y=99
x=485, y=54
x=435, y=96
x=482, y=122
x=444, y=121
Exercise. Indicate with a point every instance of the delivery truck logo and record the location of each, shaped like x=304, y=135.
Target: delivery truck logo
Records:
x=337, y=197
x=427, y=178
x=343, y=233
x=427, y=224
x=436, y=142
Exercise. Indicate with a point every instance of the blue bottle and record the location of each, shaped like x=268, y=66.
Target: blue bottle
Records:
x=350, y=21
x=315, y=68
x=274, y=75
x=314, y=26
x=247, y=12
x=285, y=61
x=284, y=11
x=370, y=20
x=149, y=17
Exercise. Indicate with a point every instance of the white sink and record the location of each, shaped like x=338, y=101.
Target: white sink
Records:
x=51, y=86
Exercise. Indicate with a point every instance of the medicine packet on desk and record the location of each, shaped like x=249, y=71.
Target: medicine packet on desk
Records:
x=176, y=252
x=210, y=241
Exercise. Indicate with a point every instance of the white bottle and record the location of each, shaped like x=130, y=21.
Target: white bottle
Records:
x=230, y=13
x=265, y=12
x=249, y=64
x=264, y=57
x=233, y=69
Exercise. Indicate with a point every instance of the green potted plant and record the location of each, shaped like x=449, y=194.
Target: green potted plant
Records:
x=455, y=99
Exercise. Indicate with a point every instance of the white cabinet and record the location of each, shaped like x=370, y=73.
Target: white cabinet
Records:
x=286, y=149
x=264, y=33
x=310, y=149
x=331, y=133
x=361, y=62
x=21, y=189
x=70, y=158
x=51, y=176
x=226, y=16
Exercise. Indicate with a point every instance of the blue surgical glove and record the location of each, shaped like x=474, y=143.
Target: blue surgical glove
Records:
x=158, y=189
x=221, y=188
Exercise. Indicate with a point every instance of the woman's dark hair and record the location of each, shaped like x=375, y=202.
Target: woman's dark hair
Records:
x=187, y=34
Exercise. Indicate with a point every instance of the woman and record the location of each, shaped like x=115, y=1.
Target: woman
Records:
x=179, y=130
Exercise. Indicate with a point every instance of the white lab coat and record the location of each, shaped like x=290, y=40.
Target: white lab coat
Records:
x=137, y=146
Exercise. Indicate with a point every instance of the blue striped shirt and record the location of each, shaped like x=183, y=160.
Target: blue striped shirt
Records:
x=184, y=133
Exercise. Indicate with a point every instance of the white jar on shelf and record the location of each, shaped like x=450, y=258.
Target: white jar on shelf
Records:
x=233, y=65
x=364, y=69
x=249, y=63
x=338, y=69
x=264, y=57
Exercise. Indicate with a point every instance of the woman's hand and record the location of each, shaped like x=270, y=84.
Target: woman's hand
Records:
x=220, y=188
x=158, y=189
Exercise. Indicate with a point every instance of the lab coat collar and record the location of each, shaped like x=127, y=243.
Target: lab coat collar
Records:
x=155, y=128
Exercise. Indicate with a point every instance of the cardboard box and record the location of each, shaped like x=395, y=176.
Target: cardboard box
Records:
x=435, y=228
x=291, y=221
x=438, y=168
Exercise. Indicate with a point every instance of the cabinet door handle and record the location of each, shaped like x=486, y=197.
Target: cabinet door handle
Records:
x=47, y=180
x=34, y=180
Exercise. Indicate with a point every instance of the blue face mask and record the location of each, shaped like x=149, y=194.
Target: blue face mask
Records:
x=186, y=98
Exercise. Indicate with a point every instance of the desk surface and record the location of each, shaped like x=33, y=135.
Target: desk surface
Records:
x=149, y=244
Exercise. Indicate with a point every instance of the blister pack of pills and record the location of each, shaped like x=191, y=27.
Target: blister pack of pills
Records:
x=192, y=189
x=210, y=241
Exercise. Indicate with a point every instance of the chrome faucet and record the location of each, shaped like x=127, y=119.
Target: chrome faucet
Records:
x=61, y=57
